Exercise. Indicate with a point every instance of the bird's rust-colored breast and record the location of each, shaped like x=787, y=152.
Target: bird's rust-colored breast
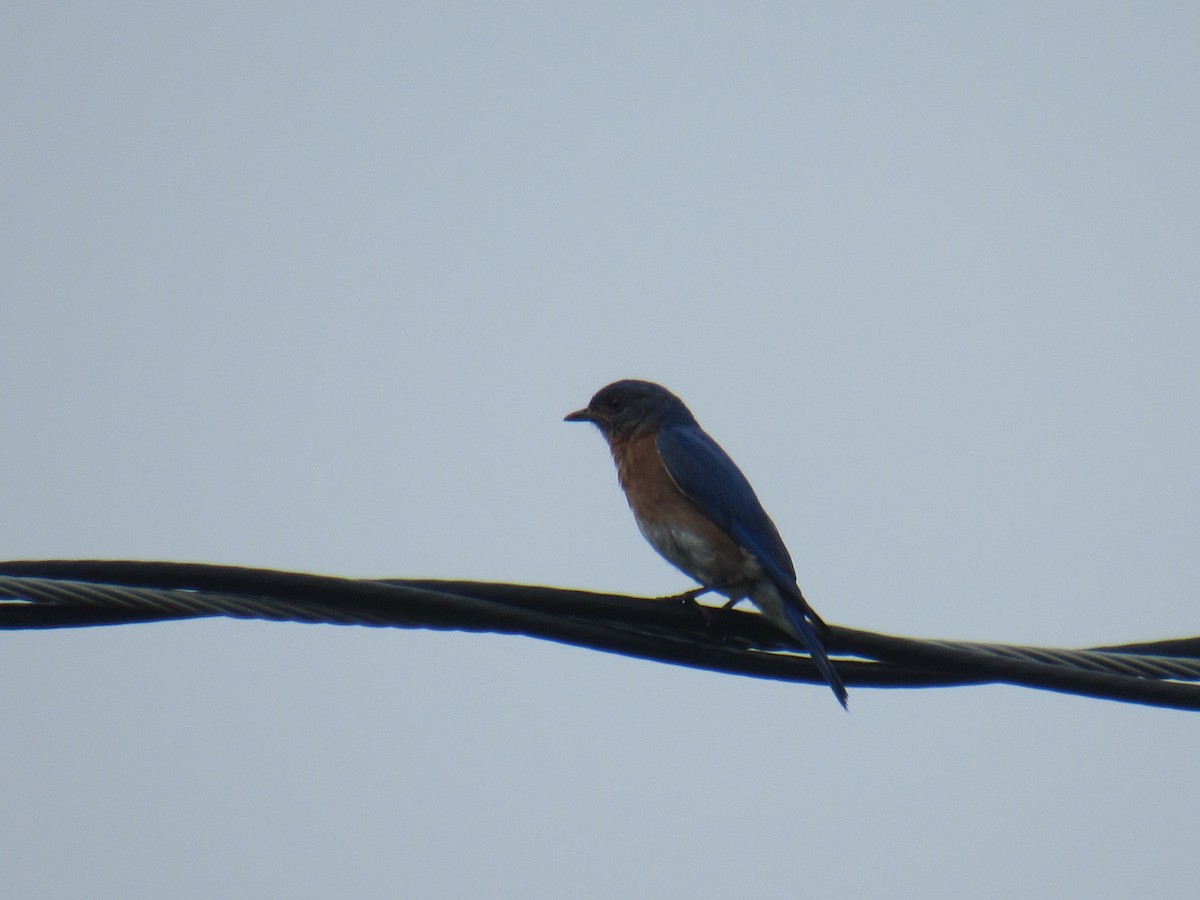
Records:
x=640, y=469
x=673, y=523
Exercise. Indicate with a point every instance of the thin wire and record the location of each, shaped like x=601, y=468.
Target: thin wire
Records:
x=81, y=593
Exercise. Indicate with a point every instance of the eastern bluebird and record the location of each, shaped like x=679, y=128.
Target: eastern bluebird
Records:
x=696, y=508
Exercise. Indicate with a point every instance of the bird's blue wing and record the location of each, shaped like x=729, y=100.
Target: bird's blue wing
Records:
x=710, y=479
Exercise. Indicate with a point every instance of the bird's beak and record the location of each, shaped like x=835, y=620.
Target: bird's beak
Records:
x=580, y=415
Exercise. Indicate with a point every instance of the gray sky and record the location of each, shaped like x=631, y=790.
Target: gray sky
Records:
x=312, y=287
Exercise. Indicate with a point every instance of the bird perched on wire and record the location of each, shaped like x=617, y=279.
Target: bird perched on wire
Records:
x=696, y=508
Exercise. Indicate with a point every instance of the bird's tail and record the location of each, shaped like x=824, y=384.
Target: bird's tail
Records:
x=791, y=613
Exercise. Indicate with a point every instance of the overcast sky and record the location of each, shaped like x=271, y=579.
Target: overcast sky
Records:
x=311, y=287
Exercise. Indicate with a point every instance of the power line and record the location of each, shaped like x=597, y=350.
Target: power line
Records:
x=84, y=593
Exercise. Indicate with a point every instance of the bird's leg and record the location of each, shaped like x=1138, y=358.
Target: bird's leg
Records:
x=732, y=603
x=688, y=598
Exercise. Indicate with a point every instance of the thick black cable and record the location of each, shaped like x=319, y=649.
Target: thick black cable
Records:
x=79, y=593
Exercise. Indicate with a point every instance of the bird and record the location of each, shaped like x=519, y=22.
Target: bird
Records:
x=696, y=508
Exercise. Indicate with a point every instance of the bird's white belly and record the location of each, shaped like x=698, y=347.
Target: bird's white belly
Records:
x=693, y=554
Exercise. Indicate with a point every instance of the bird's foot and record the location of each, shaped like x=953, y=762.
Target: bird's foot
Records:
x=687, y=598
x=688, y=601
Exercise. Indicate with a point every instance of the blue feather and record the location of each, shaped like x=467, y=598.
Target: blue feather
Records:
x=710, y=479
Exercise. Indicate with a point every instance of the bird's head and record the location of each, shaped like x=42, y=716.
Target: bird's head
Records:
x=624, y=407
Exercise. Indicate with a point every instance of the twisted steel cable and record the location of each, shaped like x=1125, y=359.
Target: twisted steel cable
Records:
x=79, y=593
